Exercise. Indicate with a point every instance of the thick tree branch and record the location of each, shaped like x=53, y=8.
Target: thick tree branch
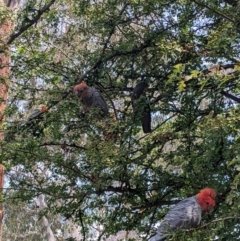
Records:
x=31, y=22
x=230, y=96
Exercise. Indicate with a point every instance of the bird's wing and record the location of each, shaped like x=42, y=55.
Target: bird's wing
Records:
x=34, y=114
x=186, y=214
x=99, y=101
x=138, y=90
x=141, y=106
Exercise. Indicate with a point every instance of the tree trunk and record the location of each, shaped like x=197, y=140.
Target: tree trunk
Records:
x=5, y=32
x=72, y=230
x=4, y=73
x=48, y=233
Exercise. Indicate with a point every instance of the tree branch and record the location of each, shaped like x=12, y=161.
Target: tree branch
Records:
x=62, y=144
x=230, y=96
x=213, y=10
x=215, y=221
x=31, y=22
x=231, y=2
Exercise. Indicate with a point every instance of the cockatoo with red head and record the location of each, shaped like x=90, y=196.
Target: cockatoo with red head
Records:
x=90, y=98
x=186, y=214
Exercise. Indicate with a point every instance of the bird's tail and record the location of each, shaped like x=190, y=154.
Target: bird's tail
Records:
x=146, y=122
x=157, y=237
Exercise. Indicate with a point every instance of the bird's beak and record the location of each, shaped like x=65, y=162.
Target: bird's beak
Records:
x=210, y=210
x=77, y=94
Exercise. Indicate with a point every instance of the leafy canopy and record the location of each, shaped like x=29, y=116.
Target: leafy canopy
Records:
x=106, y=171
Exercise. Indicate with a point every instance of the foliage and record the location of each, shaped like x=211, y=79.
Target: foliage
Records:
x=188, y=53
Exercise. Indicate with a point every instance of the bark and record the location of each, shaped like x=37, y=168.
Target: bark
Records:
x=5, y=31
x=1, y=205
x=44, y=222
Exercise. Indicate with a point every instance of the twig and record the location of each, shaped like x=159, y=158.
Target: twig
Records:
x=214, y=221
x=213, y=10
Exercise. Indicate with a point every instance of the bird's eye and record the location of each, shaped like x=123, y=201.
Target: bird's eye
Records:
x=207, y=203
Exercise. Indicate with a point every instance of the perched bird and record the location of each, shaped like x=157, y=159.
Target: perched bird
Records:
x=33, y=121
x=90, y=98
x=186, y=214
x=141, y=107
x=31, y=124
x=36, y=113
